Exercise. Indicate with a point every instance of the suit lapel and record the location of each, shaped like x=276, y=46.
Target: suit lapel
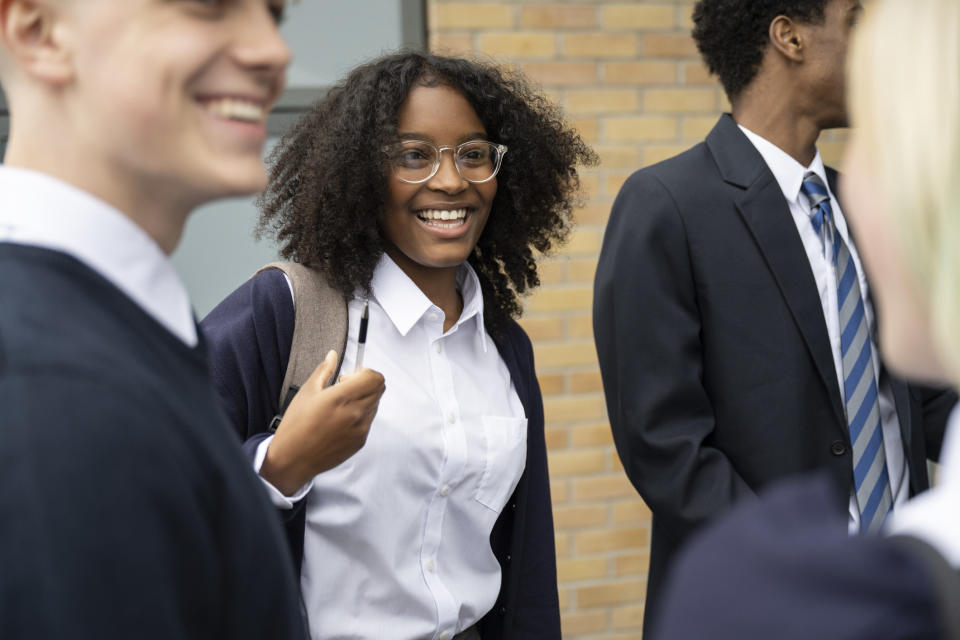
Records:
x=767, y=216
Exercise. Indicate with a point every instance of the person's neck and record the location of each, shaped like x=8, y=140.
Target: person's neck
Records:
x=774, y=116
x=150, y=207
x=438, y=284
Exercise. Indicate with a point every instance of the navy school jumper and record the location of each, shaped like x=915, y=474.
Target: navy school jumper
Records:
x=249, y=336
x=128, y=508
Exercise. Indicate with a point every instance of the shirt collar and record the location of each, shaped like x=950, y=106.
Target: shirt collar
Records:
x=41, y=211
x=788, y=172
x=405, y=304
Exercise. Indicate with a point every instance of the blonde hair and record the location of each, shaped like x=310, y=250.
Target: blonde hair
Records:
x=904, y=80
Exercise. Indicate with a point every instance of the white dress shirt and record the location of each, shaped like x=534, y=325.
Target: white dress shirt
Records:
x=934, y=515
x=397, y=540
x=41, y=211
x=789, y=175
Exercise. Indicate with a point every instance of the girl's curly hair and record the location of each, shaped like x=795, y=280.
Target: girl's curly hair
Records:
x=328, y=175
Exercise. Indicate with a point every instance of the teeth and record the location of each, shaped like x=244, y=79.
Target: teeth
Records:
x=237, y=110
x=438, y=214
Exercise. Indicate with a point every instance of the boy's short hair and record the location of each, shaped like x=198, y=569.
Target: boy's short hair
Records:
x=732, y=35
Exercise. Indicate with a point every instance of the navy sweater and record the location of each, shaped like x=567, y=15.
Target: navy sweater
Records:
x=127, y=509
x=250, y=334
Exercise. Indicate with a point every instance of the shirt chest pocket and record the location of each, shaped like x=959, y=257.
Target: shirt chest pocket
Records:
x=504, y=458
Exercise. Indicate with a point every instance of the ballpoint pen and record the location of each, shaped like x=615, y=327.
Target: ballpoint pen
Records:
x=362, y=339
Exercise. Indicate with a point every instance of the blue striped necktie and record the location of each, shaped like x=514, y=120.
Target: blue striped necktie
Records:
x=860, y=385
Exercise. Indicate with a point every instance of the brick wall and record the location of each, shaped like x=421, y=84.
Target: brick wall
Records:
x=629, y=78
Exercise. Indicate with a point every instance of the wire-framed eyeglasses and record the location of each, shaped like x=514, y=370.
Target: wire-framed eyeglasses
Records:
x=416, y=161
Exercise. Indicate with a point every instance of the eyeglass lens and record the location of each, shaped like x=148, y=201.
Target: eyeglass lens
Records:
x=415, y=161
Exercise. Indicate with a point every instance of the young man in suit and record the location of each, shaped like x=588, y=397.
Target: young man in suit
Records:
x=731, y=313
x=128, y=509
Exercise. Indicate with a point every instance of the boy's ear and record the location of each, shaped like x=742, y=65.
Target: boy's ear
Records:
x=787, y=38
x=29, y=31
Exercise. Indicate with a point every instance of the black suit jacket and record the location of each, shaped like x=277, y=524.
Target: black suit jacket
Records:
x=713, y=346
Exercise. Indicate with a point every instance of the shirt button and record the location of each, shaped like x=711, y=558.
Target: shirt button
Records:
x=451, y=417
x=838, y=448
x=438, y=347
x=444, y=636
x=431, y=565
x=445, y=490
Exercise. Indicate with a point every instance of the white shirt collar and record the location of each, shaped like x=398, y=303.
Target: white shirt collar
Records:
x=788, y=172
x=41, y=211
x=405, y=304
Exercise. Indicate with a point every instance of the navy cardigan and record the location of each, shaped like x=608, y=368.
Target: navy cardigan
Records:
x=249, y=336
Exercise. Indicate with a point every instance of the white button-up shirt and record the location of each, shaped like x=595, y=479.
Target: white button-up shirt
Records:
x=789, y=175
x=397, y=540
x=41, y=211
x=934, y=515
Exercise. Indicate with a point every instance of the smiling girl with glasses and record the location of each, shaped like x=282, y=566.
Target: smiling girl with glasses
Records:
x=397, y=191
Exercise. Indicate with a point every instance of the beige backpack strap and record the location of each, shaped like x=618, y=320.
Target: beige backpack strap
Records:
x=320, y=325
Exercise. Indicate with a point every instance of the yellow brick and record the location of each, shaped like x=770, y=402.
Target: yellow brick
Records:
x=602, y=488
x=612, y=540
x=568, y=463
x=680, y=100
x=566, y=354
x=471, y=16
x=583, y=241
x=554, y=299
x=832, y=151
x=631, y=564
x=573, y=408
x=632, y=591
x=656, y=153
x=451, y=43
x=563, y=545
x=589, y=182
x=559, y=490
x=579, y=569
x=686, y=18
x=600, y=45
x=628, y=617
x=565, y=596
x=557, y=438
x=601, y=101
x=585, y=382
x=552, y=271
x=557, y=17
x=551, y=385
x=588, y=128
x=594, y=435
x=618, y=157
x=696, y=73
x=697, y=128
x=581, y=270
x=616, y=464
x=640, y=72
x=577, y=623
x=637, y=16
x=614, y=182
x=561, y=74
x=631, y=512
x=669, y=45
x=581, y=326
x=595, y=212
x=576, y=517
x=543, y=328
x=639, y=128
x=519, y=45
